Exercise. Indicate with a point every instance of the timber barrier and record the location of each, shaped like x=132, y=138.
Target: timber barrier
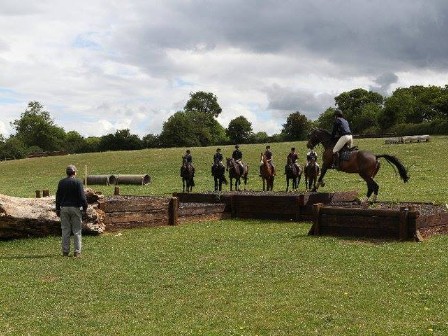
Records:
x=326, y=211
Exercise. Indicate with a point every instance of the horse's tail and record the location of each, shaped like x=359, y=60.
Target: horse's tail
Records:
x=401, y=168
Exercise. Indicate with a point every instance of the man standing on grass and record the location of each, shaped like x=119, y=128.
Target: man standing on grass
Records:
x=70, y=198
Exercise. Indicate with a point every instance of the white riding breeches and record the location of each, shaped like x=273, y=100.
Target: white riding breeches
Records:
x=345, y=139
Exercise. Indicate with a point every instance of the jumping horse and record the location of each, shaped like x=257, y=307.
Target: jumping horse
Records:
x=218, y=172
x=364, y=163
x=267, y=174
x=187, y=174
x=293, y=172
x=311, y=174
x=236, y=172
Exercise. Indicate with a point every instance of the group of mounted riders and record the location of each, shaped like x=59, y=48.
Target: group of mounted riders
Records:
x=341, y=132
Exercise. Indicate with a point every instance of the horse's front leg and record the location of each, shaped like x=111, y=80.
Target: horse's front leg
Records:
x=320, y=181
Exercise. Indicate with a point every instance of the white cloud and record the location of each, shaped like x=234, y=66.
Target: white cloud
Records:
x=98, y=66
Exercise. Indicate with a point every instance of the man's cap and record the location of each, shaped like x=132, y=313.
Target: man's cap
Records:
x=218, y=149
x=70, y=169
x=338, y=113
x=293, y=148
x=237, y=146
x=268, y=146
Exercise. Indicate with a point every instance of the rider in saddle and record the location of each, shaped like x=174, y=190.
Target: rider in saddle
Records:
x=237, y=155
x=268, y=155
x=217, y=159
x=187, y=159
x=343, y=134
x=292, y=158
x=311, y=155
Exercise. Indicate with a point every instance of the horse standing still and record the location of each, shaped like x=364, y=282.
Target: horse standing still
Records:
x=311, y=174
x=364, y=163
x=267, y=174
x=293, y=172
x=236, y=172
x=218, y=172
x=187, y=174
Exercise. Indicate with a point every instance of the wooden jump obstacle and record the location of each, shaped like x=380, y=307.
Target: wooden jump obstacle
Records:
x=326, y=211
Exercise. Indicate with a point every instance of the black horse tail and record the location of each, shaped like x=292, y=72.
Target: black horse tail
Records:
x=401, y=168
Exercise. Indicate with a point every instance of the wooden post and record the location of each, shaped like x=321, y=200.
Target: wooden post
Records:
x=173, y=211
x=117, y=190
x=403, y=226
x=316, y=219
x=85, y=175
x=45, y=193
x=38, y=194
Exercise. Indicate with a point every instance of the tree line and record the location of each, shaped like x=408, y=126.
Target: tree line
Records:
x=408, y=111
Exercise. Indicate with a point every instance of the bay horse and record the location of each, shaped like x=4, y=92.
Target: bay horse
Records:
x=293, y=172
x=235, y=172
x=187, y=174
x=364, y=163
x=311, y=174
x=267, y=174
x=218, y=172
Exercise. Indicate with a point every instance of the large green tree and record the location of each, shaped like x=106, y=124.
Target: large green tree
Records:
x=353, y=104
x=178, y=131
x=239, y=130
x=203, y=102
x=297, y=127
x=36, y=128
x=121, y=140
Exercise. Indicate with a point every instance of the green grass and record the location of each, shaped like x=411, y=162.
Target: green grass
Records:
x=229, y=277
x=224, y=278
x=426, y=162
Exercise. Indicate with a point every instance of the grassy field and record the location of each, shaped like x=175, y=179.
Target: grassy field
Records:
x=229, y=277
x=426, y=163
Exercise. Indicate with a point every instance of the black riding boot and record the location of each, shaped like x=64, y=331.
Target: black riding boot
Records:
x=336, y=160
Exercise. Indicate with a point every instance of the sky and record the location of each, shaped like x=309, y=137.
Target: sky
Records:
x=100, y=66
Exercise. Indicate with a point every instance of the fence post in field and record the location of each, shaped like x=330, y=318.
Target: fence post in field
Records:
x=316, y=217
x=173, y=212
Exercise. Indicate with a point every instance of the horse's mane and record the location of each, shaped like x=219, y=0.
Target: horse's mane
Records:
x=322, y=130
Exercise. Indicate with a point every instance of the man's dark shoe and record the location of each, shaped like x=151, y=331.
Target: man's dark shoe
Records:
x=65, y=254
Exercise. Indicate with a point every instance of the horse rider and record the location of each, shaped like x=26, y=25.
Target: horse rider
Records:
x=311, y=155
x=217, y=159
x=268, y=156
x=292, y=159
x=187, y=159
x=237, y=155
x=343, y=134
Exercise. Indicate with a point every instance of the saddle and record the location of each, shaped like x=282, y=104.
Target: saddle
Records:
x=346, y=152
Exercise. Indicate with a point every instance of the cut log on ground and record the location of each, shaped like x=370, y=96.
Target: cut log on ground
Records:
x=36, y=217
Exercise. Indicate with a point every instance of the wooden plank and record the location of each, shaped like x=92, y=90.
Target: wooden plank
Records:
x=134, y=203
x=360, y=212
x=162, y=218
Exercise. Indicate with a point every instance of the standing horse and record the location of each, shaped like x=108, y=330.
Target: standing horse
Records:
x=293, y=172
x=267, y=174
x=187, y=174
x=311, y=174
x=364, y=163
x=218, y=172
x=235, y=172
